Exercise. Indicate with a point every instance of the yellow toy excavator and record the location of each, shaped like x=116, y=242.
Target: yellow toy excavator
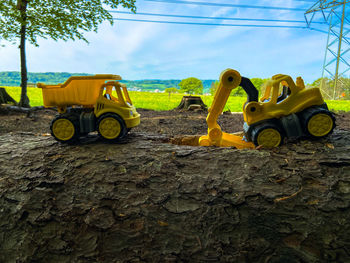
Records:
x=287, y=109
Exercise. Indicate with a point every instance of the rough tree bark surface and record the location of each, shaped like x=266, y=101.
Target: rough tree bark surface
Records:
x=145, y=200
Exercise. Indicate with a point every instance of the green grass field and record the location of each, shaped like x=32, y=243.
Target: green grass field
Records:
x=161, y=101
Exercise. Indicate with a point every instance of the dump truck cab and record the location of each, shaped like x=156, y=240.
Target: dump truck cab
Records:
x=121, y=104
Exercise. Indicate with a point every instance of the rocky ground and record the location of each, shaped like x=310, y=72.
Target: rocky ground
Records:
x=147, y=200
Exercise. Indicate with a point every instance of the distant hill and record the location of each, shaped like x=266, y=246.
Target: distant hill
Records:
x=13, y=78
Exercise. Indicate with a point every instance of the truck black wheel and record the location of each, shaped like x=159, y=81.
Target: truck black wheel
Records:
x=111, y=127
x=267, y=135
x=317, y=122
x=127, y=131
x=65, y=128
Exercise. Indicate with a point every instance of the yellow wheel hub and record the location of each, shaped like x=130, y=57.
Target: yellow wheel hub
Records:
x=320, y=125
x=109, y=128
x=269, y=138
x=63, y=129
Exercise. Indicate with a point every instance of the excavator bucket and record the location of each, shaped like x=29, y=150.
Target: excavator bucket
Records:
x=227, y=140
x=229, y=80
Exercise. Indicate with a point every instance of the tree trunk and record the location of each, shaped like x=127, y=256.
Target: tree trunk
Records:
x=191, y=102
x=5, y=98
x=22, y=6
x=150, y=201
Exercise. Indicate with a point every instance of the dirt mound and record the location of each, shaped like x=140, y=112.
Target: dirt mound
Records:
x=147, y=200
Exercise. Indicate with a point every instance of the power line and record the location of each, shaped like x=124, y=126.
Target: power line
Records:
x=214, y=24
x=215, y=18
x=310, y=1
x=209, y=24
x=226, y=5
x=226, y=25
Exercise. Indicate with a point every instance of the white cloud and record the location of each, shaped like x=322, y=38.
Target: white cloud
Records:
x=9, y=57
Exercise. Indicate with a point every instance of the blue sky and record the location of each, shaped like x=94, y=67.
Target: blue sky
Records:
x=138, y=50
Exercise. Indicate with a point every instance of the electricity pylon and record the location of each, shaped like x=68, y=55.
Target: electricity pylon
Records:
x=336, y=58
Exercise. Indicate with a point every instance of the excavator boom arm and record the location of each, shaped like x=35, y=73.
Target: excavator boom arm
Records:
x=229, y=80
x=249, y=88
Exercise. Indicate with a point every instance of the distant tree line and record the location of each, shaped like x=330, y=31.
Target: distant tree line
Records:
x=158, y=83
x=13, y=78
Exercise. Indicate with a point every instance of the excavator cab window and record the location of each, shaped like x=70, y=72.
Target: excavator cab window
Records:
x=284, y=93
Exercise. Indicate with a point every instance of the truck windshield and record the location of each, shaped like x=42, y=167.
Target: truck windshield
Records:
x=107, y=93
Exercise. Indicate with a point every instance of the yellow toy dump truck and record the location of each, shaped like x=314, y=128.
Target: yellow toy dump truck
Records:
x=86, y=104
x=286, y=110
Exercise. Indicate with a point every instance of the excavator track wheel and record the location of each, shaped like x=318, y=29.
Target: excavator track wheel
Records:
x=111, y=127
x=267, y=135
x=318, y=122
x=65, y=128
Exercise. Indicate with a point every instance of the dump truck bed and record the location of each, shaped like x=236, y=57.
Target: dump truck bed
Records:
x=77, y=90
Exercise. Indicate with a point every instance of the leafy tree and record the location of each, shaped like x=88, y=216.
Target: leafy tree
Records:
x=342, y=90
x=317, y=82
x=171, y=90
x=22, y=20
x=239, y=91
x=258, y=84
x=191, y=86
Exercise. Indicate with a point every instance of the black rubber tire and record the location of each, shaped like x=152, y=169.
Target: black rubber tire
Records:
x=255, y=131
x=126, y=133
x=74, y=119
x=123, y=129
x=307, y=114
